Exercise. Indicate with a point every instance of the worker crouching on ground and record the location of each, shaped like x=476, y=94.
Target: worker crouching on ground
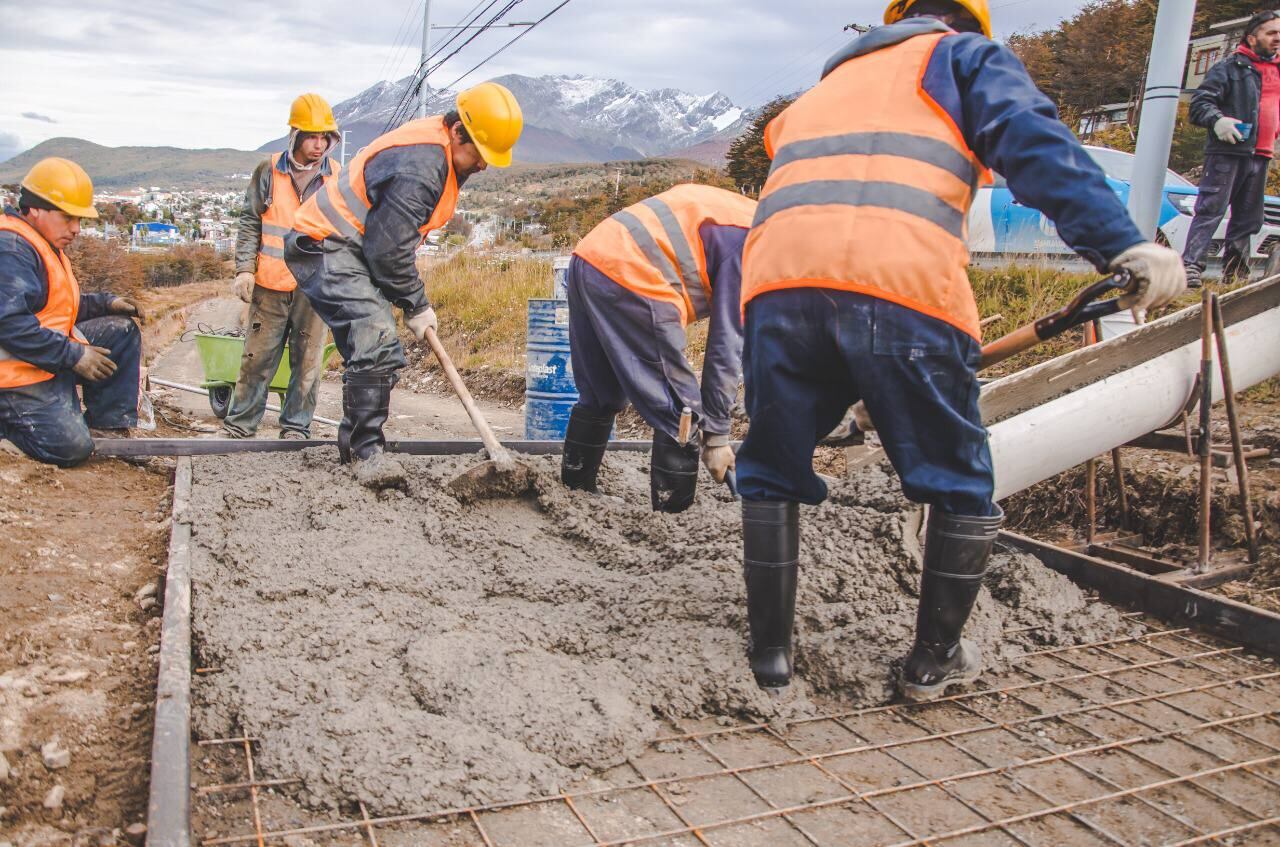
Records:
x=353, y=244
x=52, y=336
x=855, y=288
x=278, y=312
x=635, y=282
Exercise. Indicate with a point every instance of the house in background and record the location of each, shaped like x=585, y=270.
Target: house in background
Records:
x=1107, y=115
x=1210, y=49
x=155, y=234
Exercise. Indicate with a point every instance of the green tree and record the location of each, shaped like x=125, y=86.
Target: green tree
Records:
x=747, y=162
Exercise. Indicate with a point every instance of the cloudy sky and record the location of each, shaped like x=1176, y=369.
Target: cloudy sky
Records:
x=221, y=73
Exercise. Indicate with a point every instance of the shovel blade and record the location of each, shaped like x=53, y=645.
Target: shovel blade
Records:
x=493, y=479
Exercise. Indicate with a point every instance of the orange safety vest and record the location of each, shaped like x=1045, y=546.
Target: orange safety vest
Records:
x=339, y=208
x=653, y=248
x=61, y=308
x=277, y=221
x=869, y=191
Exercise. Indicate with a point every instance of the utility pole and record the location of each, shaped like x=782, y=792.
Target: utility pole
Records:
x=424, y=92
x=617, y=181
x=342, y=154
x=1165, y=69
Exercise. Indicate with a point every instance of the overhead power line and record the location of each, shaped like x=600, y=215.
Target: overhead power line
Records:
x=431, y=64
x=522, y=34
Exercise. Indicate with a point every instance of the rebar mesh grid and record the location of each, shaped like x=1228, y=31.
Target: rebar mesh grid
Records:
x=1160, y=738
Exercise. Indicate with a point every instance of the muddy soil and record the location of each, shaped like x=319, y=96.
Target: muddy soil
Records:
x=1164, y=498
x=410, y=652
x=76, y=664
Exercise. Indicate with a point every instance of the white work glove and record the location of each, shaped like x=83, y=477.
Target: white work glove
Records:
x=419, y=324
x=1225, y=129
x=718, y=456
x=243, y=286
x=1158, y=276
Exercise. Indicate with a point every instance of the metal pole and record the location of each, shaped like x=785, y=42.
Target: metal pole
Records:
x=1237, y=447
x=1206, y=437
x=424, y=91
x=342, y=155
x=1159, y=110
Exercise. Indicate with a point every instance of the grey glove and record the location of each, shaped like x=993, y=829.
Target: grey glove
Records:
x=420, y=322
x=243, y=286
x=1158, y=276
x=1226, y=130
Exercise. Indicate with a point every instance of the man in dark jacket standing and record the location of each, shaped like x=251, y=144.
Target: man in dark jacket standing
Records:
x=1239, y=104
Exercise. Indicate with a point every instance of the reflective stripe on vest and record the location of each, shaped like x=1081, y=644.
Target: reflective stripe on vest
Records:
x=277, y=223
x=61, y=308
x=341, y=207
x=654, y=249
x=869, y=190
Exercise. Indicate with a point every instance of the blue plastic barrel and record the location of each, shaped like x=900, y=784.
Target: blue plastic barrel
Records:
x=549, y=388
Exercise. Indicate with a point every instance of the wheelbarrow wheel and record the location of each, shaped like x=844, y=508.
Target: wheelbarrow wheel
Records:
x=220, y=400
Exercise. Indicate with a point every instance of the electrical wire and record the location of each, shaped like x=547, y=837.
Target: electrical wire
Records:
x=522, y=34
x=404, y=108
x=400, y=42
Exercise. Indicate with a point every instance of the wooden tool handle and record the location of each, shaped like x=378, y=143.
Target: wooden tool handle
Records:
x=686, y=423
x=1081, y=309
x=490, y=440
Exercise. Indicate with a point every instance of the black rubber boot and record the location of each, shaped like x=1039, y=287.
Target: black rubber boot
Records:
x=584, y=445
x=673, y=473
x=1194, y=275
x=770, y=565
x=956, y=551
x=366, y=403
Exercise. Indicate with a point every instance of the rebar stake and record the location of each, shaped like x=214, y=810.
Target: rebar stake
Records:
x=1237, y=444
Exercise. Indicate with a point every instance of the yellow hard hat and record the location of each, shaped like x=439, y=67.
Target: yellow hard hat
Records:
x=64, y=184
x=978, y=8
x=311, y=113
x=493, y=120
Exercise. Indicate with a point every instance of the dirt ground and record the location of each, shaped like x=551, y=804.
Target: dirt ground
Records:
x=77, y=663
x=1163, y=489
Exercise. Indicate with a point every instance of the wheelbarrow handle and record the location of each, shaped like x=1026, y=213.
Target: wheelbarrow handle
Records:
x=1082, y=309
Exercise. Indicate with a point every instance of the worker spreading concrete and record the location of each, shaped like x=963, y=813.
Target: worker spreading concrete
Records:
x=352, y=251
x=278, y=312
x=635, y=282
x=855, y=288
x=53, y=337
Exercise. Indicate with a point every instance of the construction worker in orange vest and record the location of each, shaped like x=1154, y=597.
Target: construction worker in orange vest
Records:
x=855, y=288
x=53, y=338
x=278, y=312
x=635, y=282
x=353, y=251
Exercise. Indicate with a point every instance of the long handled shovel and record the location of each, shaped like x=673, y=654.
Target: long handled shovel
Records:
x=501, y=475
x=1080, y=310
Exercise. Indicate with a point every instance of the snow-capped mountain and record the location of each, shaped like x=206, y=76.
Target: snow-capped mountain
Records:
x=568, y=118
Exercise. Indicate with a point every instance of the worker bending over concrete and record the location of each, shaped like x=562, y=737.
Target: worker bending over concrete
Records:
x=635, y=282
x=352, y=251
x=855, y=288
x=54, y=338
x=278, y=312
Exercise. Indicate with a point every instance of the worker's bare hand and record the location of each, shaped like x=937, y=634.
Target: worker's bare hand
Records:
x=94, y=364
x=421, y=322
x=243, y=286
x=125, y=306
x=718, y=456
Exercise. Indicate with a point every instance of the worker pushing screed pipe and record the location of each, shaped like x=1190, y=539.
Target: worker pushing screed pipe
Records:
x=636, y=282
x=352, y=251
x=885, y=154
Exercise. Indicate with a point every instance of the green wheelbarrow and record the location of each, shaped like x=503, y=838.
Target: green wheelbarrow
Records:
x=221, y=354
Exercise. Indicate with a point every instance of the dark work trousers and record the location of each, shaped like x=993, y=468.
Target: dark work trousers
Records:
x=628, y=348
x=277, y=317
x=811, y=353
x=337, y=282
x=1235, y=182
x=45, y=420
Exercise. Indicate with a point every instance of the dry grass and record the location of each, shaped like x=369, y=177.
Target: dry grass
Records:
x=481, y=302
